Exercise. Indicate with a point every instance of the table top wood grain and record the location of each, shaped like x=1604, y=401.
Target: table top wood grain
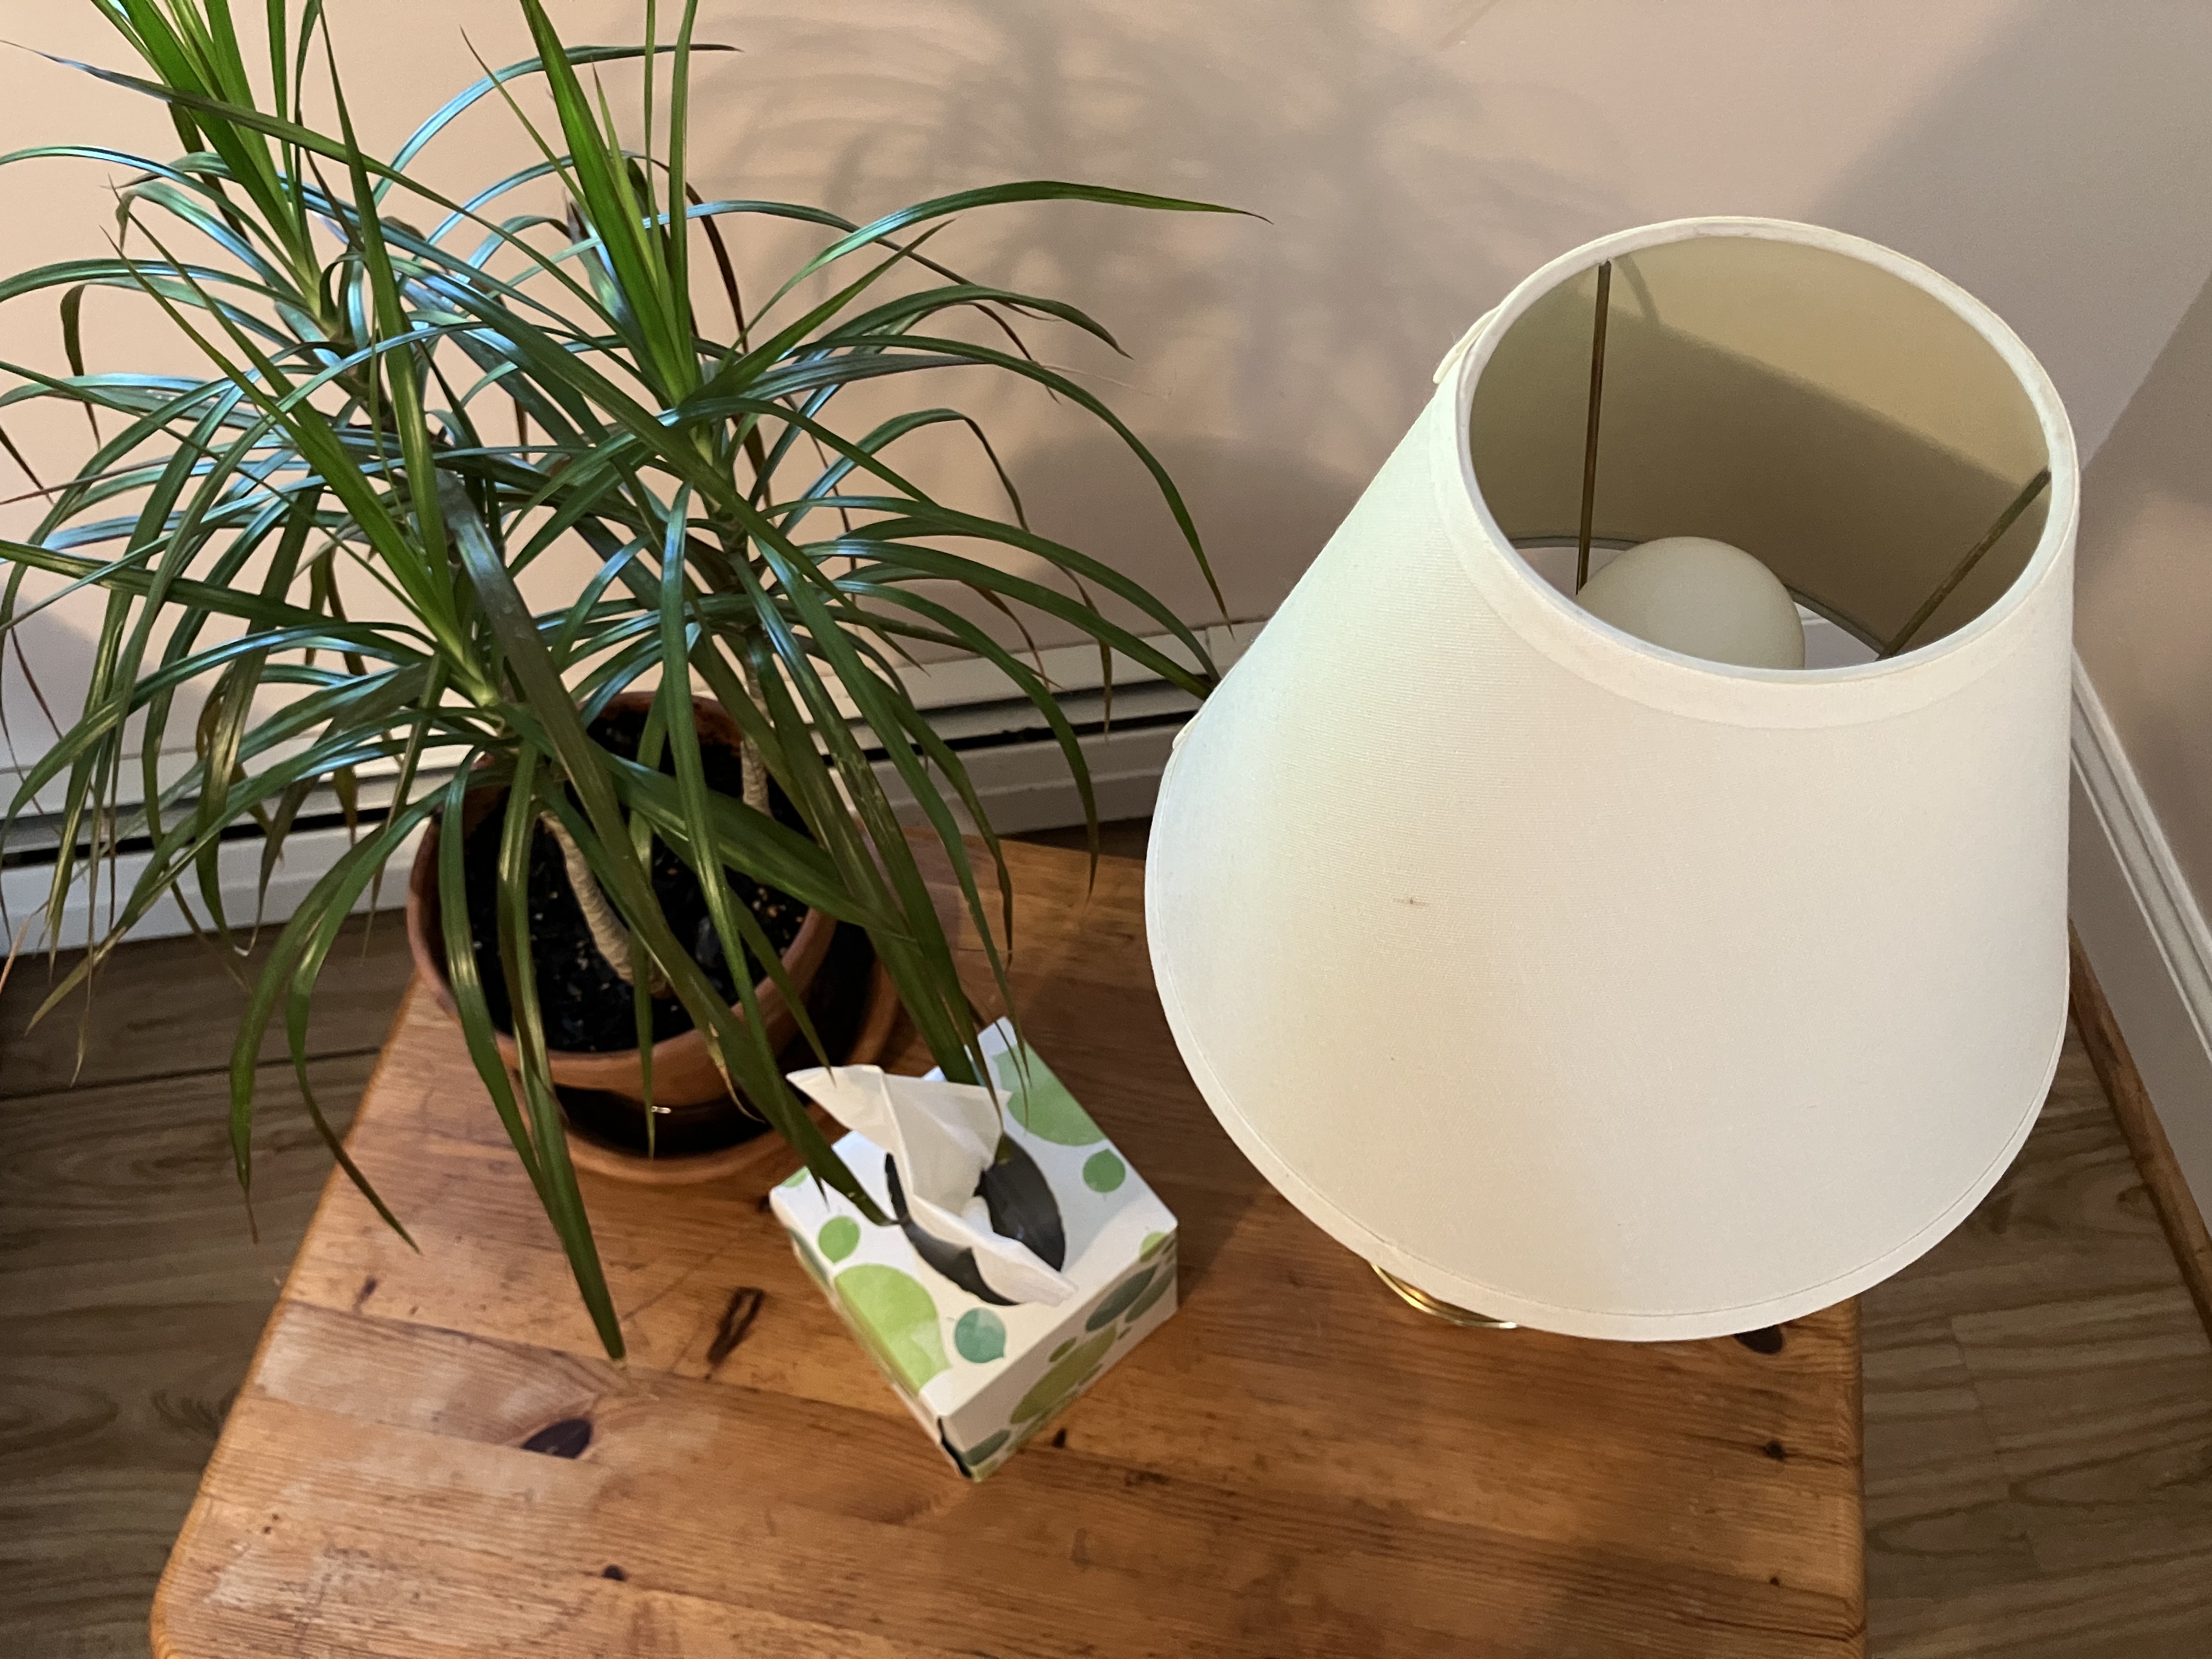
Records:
x=1295, y=1464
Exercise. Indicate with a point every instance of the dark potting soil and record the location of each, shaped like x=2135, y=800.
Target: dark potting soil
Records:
x=586, y=1006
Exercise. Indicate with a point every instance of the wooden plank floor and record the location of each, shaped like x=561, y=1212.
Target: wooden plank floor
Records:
x=2038, y=1419
x=130, y=1291
x=2038, y=1391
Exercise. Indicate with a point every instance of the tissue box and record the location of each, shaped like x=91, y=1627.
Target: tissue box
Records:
x=980, y=1375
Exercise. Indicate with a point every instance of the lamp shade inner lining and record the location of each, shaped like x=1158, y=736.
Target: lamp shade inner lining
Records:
x=1844, y=425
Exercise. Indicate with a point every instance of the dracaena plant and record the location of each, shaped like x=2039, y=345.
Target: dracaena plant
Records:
x=438, y=392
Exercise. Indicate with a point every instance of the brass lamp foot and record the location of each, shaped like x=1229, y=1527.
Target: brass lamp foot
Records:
x=1420, y=1300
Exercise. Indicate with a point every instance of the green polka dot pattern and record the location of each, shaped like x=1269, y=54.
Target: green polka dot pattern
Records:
x=1040, y=1102
x=1118, y=1299
x=839, y=1237
x=1103, y=1171
x=1054, y=1389
x=897, y=1318
x=980, y=1454
x=981, y=1336
x=1160, y=1286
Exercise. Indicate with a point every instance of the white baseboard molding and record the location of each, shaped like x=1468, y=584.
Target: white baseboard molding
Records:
x=1026, y=785
x=2145, y=935
x=1016, y=769
x=308, y=856
x=1023, y=786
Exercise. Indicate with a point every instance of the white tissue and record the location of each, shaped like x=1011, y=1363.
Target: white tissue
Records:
x=941, y=1137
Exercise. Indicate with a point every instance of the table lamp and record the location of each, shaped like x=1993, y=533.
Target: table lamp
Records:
x=1582, y=972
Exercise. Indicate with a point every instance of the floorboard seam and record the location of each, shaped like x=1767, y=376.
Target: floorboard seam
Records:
x=134, y=1081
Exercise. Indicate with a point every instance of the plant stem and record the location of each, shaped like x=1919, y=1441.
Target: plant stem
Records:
x=610, y=936
x=753, y=768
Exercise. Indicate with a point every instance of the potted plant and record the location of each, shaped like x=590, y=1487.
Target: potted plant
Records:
x=587, y=980
x=438, y=391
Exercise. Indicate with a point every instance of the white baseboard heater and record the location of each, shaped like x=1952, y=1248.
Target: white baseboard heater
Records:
x=1016, y=766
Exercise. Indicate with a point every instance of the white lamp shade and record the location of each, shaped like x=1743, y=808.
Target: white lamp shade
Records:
x=1601, y=988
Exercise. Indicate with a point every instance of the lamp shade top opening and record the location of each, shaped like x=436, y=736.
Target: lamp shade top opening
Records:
x=1595, y=985
x=1853, y=421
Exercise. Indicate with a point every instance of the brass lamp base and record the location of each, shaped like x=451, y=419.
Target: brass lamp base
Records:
x=1413, y=1296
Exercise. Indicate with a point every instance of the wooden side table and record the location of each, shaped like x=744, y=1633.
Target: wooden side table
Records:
x=429, y=1456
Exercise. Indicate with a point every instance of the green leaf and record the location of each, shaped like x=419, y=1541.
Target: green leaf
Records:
x=463, y=101
x=462, y=978
x=564, y=1203
x=1034, y=190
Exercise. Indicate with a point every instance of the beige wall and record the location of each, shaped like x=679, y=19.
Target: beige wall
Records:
x=2143, y=596
x=1412, y=158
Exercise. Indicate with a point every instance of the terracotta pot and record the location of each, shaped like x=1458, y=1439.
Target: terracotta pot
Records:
x=757, y=1163
x=683, y=1071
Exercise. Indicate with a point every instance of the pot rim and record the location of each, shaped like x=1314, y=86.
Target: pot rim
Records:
x=426, y=944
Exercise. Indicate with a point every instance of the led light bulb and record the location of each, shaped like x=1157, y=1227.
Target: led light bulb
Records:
x=1701, y=598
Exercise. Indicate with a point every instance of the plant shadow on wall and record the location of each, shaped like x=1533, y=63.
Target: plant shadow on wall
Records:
x=1271, y=373
x=435, y=393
